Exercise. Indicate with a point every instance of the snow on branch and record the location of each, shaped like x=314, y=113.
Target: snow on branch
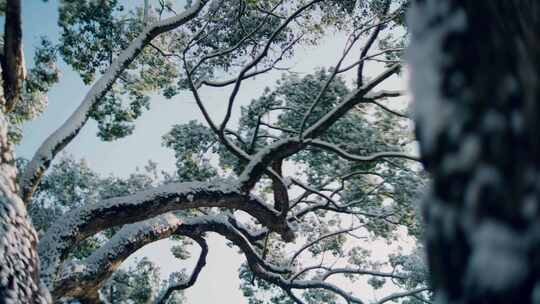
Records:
x=85, y=278
x=71, y=127
x=350, y=101
x=259, y=162
x=80, y=223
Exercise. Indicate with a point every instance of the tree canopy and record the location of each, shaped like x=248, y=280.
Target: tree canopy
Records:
x=317, y=168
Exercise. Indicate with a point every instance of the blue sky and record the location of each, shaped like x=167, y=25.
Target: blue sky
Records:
x=219, y=280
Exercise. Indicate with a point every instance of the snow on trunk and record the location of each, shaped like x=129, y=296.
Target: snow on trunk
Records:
x=19, y=264
x=475, y=77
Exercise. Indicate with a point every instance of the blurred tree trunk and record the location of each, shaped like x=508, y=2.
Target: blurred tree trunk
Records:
x=475, y=74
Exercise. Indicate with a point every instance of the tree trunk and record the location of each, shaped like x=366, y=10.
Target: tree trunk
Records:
x=19, y=265
x=475, y=71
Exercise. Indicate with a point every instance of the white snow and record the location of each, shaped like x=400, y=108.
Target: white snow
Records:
x=499, y=258
x=64, y=233
x=69, y=129
x=426, y=60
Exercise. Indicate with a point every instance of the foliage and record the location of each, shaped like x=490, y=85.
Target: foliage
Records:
x=139, y=284
x=353, y=201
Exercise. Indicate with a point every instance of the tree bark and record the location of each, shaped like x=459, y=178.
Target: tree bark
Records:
x=19, y=264
x=475, y=75
x=12, y=59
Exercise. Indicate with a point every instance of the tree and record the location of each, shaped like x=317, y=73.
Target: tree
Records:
x=474, y=77
x=353, y=173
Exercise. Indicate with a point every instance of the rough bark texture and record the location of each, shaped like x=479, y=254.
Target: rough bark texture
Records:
x=19, y=265
x=12, y=59
x=475, y=75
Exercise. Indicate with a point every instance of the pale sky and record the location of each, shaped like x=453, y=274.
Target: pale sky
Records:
x=218, y=281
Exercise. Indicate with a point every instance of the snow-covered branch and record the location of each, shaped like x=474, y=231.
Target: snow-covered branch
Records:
x=259, y=162
x=80, y=223
x=83, y=279
x=71, y=127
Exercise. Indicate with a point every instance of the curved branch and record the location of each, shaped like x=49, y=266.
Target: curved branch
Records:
x=372, y=38
x=302, y=284
x=71, y=127
x=84, y=279
x=335, y=271
x=352, y=157
x=201, y=262
x=387, y=109
x=80, y=223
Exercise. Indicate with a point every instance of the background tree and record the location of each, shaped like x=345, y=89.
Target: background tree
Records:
x=314, y=166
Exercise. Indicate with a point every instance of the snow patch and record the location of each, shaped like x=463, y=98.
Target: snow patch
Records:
x=427, y=59
x=499, y=259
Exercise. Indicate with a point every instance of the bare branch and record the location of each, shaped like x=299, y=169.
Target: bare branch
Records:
x=353, y=39
x=352, y=157
x=369, y=44
x=335, y=271
x=328, y=235
x=257, y=59
x=201, y=262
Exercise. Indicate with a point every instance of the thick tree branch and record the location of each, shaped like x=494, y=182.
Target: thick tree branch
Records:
x=69, y=130
x=286, y=147
x=83, y=279
x=80, y=223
